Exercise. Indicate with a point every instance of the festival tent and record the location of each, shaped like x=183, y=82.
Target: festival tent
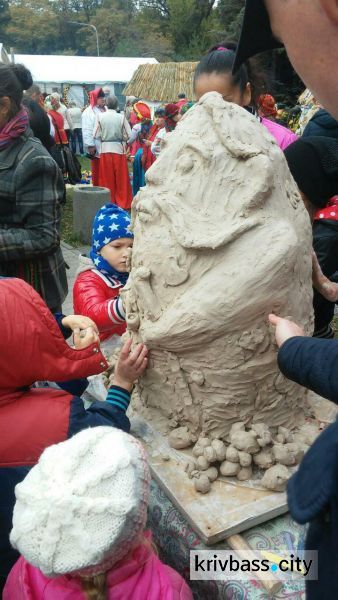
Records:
x=75, y=76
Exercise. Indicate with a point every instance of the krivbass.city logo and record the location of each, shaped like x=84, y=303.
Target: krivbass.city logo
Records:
x=243, y=565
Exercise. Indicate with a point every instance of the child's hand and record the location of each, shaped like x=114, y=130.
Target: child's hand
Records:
x=78, y=322
x=285, y=329
x=130, y=365
x=321, y=283
x=85, y=337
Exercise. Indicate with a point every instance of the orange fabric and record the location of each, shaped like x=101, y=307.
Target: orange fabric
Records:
x=115, y=176
x=95, y=168
x=58, y=122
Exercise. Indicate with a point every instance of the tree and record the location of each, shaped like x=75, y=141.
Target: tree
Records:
x=4, y=19
x=229, y=17
x=33, y=27
x=185, y=22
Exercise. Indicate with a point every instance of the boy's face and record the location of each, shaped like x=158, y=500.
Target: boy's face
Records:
x=116, y=253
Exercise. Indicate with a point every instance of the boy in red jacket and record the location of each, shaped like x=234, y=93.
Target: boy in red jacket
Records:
x=101, y=277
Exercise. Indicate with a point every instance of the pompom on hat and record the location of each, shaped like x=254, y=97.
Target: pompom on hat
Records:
x=83, y=507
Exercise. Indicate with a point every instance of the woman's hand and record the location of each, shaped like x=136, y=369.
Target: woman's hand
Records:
x=285, y=329
x=78, y=322
x=322, y=284
x=130, y=365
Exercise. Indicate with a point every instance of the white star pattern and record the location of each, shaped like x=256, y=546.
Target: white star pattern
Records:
x=96, y=261
x=100, y=229
x=113, y=227
x=127, y=218
x=96, y=243
x=100, y=217
x=106, y=240
x=113, y=217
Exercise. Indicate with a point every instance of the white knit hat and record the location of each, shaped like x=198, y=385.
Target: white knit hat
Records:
x=84, y=505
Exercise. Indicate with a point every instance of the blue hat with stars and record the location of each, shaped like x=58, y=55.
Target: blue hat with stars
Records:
x=110, y=223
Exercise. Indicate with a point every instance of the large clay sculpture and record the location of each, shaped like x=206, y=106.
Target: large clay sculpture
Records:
x=221, y=239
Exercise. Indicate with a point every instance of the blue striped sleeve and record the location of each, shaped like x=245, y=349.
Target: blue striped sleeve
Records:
x=119, y=397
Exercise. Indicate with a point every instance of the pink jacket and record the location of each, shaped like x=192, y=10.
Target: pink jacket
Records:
x=142, y=576
x=282, y=135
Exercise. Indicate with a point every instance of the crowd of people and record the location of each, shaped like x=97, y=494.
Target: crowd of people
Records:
x=74, y=484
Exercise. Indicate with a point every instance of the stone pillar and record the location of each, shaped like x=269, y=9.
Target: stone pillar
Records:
x=86, y=202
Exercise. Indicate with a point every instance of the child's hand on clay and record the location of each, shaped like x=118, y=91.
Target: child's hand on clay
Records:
x=130, y=365
x=78, y=322
x=321, y=283
x=85, y=337
x=285, y=329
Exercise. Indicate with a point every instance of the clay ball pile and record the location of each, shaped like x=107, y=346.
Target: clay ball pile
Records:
x=254, y=452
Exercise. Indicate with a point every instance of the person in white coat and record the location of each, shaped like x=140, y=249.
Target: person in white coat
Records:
x=92, y=146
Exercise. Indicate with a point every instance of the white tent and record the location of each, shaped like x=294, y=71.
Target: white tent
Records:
x=54, y=73
x=81, y=69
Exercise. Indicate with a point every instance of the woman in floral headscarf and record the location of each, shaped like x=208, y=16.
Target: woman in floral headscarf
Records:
x=143, y=115
x=172, y=115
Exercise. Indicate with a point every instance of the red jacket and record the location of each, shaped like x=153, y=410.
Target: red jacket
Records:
x=96, y=297
x=32, y=348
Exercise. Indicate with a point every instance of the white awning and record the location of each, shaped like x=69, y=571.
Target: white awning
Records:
x=81, y=69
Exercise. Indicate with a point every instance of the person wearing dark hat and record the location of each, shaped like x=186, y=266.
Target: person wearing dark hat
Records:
x=309, y=32
x=312, y=363
x=313, y=162
x=322, y=124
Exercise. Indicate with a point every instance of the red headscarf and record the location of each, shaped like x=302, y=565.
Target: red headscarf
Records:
x=267, y=105
x=94, y=95
x=142, y=111
x=171, y=110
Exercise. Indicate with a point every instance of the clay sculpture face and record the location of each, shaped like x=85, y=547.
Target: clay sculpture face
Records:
x=221, y=238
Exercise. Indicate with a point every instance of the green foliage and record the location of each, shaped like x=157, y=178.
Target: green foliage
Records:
x=166, y=29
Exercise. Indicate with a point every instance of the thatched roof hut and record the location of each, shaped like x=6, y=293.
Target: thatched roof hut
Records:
x=162, y=82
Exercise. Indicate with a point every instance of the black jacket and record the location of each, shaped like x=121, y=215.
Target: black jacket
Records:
x=322, y=123
x=313, y=490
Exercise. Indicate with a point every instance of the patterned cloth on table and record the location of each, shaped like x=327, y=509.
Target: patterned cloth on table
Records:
x=174, y=538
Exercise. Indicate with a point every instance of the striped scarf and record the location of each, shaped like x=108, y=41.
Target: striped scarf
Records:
x=14, y=128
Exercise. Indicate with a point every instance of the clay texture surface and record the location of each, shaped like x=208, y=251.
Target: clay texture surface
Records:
x=221, y=239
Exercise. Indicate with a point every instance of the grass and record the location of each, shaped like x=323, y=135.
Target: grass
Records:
x=67, y=234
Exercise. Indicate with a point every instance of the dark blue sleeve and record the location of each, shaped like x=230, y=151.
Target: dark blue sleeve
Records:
x=75, y=387
x=66, y=331
x=313, y=363
x=110, y=413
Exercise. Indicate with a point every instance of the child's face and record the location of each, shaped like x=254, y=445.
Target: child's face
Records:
x=116, y=253
x=223, y=84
